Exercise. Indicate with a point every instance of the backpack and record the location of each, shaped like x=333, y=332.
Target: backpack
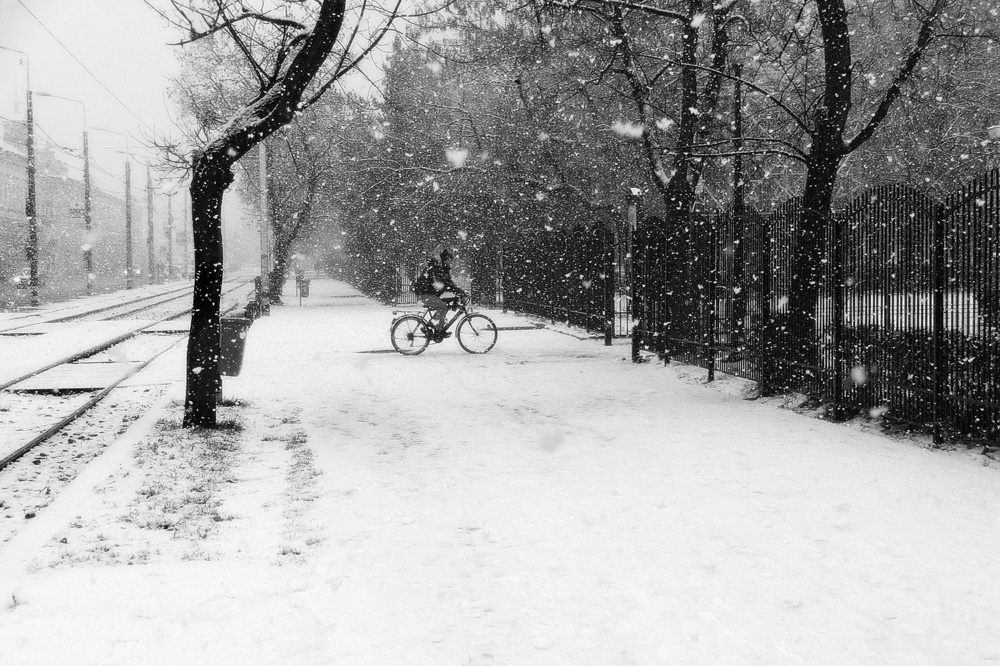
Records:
x=421, y=284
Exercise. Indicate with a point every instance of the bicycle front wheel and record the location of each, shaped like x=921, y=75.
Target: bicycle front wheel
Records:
x=409, y=335
x=477, y=333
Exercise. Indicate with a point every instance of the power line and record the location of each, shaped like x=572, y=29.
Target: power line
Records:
x=92, y=75
x=69, y=152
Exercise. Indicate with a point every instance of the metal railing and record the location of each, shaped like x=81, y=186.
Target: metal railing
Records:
x=906, y=322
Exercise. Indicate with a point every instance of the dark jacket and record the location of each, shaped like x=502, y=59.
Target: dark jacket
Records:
x=434, y=273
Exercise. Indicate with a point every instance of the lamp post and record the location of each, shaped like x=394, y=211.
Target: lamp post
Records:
x=129, y=268
x=170, y=236
x=150, y=246
x=31, y=251
x=88, y=253
x=185, y=224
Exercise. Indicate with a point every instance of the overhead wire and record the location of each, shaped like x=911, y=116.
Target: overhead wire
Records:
x=49, y=142
x=85, y=68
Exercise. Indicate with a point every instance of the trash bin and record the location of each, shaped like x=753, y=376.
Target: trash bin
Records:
x=233, y=338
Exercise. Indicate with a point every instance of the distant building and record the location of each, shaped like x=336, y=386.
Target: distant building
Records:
x=62, y=237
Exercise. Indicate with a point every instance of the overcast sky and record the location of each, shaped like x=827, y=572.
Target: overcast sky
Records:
x=111, y=55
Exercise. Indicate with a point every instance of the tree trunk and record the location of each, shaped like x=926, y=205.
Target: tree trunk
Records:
x=824, y=159
x=807, y=263
x=212, y=174
x=208, y=185
x=282, y=248
x=286, y=236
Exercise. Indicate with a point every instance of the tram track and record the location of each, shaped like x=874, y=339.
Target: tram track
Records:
x=86, y=406
x=102, y=387
x=78, y=311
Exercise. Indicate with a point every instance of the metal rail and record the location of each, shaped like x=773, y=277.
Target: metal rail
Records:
x=76, y=413
x=102, y=346
x=100, y=395
x=84, y=313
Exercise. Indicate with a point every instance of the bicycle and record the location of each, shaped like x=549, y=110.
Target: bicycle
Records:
x=411, y=333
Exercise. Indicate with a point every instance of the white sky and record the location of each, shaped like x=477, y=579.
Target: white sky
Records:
x=121, y=42
x=125, y=46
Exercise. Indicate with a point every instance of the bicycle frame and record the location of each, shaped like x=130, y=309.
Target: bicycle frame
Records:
x=462, y=310
x=405, y=339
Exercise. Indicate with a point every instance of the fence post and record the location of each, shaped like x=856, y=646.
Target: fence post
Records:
x=609, y=285
x=713, y=241
x=636, y=303
x=937, y=325
x=838, y=316
x=501, y=268
x=766, y=287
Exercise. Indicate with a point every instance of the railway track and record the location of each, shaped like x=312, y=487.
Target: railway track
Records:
x=49, y=393
x=20, y=322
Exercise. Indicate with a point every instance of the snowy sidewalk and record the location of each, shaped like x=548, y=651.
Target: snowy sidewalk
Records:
x=546, y=503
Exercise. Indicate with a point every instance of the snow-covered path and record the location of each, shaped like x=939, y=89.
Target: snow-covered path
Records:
x=547, y=503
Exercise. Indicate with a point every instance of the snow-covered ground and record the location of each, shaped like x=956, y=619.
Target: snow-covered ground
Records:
x=547, y=503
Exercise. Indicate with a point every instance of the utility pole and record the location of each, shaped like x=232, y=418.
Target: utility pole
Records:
x=31, y=252
x=129, y=269
x=170, y=236
x=150, y=245
x=185, y=207
x=30, y=212
x=88, y=224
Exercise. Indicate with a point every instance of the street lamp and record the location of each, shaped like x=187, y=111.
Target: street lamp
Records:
x=170, y=236
x=129, y=268
x=31, y=251
x=150, y=247
x=88, y=254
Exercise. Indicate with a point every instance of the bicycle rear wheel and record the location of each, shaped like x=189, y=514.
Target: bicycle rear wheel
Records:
x=477, y=333
x=409, y=335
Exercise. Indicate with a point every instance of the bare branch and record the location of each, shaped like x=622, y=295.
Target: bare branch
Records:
x=342, y=69
x=924, y=39
x=593, y=5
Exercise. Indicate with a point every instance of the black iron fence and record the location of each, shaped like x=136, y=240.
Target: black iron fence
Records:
x=907, y=316
x=562, y=275
x=905, y=323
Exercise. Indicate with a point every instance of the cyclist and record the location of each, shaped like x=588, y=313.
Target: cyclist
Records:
x=433, y=284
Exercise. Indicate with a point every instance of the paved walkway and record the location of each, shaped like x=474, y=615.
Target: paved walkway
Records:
x=547, y=503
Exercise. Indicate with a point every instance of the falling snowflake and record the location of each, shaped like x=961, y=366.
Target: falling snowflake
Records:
x=457, y=157
x=627, y=129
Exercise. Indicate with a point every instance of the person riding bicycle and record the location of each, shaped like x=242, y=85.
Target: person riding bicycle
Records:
x=435, y=284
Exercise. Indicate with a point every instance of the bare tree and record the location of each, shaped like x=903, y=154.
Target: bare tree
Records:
x=287, y=45
x=829, y=145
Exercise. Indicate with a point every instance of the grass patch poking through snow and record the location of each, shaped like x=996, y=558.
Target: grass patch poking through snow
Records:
x=203, y=494
x=300, y=490
x=184, y=470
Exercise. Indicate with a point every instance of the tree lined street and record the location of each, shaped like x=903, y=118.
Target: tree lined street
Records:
x=546, y=503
